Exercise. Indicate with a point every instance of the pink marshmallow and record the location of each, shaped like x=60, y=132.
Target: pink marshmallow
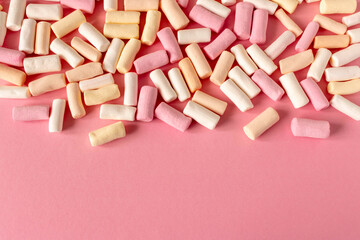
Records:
x=146, y=104
x=151, y=61
x=307, y=37
x=30, y=113
x=170, y=44
x=259, y=26
x=268, y=85
x=243, y=20
x=219, y=44
x=206, y=18
x=12, y=57
x=302, y=127
x=183, y=3
x=84, y=5
x=317, y=97
x=172, y=117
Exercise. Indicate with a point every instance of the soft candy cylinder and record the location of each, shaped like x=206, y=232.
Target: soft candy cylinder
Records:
x=302, y=127
x=243, y=20
x=146, y=104
x=172, y=117
x=57, y=115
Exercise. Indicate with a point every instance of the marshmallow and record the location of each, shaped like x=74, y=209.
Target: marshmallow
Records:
x=162, y=83
x=43, y=64
x=183, y=3
x=74, y=100
x=87, y=6
x=293, y=89
x=172, y=117
x=174, y=14
x=331, y=41
x=15, y=14
x=199, y=60
x=178, y=83
x=215, y=7
x=212, y=103
x=264, y=4
x=30, y=113
x=345, y=106
x=201, y=115
x=261, y=59
x=42, y=39
x=107, y=134
x=296, y=62
x=206, y=18
x=342, y=73
x=112, y=55
x=302, y=127
x=243, y=59
x=236, y=95
x=288, y=5
x=195, y=35
x=11, y=57
x=110, y=5
x=122, y=31
x=170, y=44
x=12, y=75
x=228, y=2
x=14, y=92
x=45, y=12
x=337, y=6
x=268, y=85
x=101, y=95
x=117, y=112
x=261, y=123
x=244, y=82
x=351, y=20
x=127, y=17
x=321, y=60
x=243, y=20
x=288, y=22
x=222, y=68
x=131, y=89
x=280, y=44
x=330, y=24
x=259, y=26
x=94, y=36
x=57, y=115
x=190, y=75
x=219, y=44
x=27, y=36
x=146, y=104
x=85, y=71
x=128, y=55
x=344, y=88
x=68, y=23
x=345, y=56
x=60, y=48
x=354, y=35
x=151, y=61
x=47, y=84
x=96, y=82
x=151, y=27
x=141, y=5
x=85, y=49
x=316, y=96
x=308, y=36
x=3, y=29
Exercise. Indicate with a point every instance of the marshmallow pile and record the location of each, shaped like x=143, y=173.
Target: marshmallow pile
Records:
x=115, y=47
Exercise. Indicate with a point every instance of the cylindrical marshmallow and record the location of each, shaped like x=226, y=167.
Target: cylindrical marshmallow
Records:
x=45, y=12
x=11, y=57
x=146, y=104
x=261, y=59
x=243, y=20
x=351, y=20
x=319, y=64
x=259, y=26
x=198, y=58
x=107, y=134
x=354, y=35
x=345, y=56
x=110, y=5
x=261, y=123
x=74, y=100
x=12, y=75
x=308, y=36
x=42, y=39
x=60, y=48
x=3, y=29
x=288, y=22
x=84, y=72
x=243, y=59
x=344, y=88
x=101, y=95
x=57, y=115
x=288, y=5
x=222, y=68
x=170, y=44
x=330, y=24
x=316, y=96
x=342, y=73
x=280, y=44
x=293, y=89
x=268, y=85
x=183, y=3
x=244, y=82
x=112, y=55
x=264, y=4
x=228, y=2
x=151, y=61
x=337, y=6
x=30, y=113
x=172, y=117
x=130, y=89
x=94, y=36
x=47, y=84
x=87, y=6
x=212, y=103
x=141, y=5
x=331, y=41
x=201, y=115
x=122, y=31
x=219, y=44
x=236, y=95
x=206, y=18
x=85, y=49
x=190, y=75
x=162, y=83
x=174, y=14
x=43, y=64
x=302, y=127
x=15, y=14
x=178, y=83
x=128, y=55
x=14, y=92
x=27, y=36
x=345, y=106
x=117, y=112
x=296, y=62
x=96, y=82
x=195, y=35
x=215, y=7
x=68, y=23
x=151, y=27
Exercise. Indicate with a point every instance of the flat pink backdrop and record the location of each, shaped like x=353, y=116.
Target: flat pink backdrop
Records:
x=158, y=183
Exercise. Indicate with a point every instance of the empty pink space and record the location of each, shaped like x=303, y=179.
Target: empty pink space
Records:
x=160, y=184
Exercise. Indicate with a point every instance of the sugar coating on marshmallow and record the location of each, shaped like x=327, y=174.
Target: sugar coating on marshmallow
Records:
x=243, y=59
x=146, y=104
x=42, y=39
x=96, y=82
x=264, y=4
x=101, y=95
x=319, y=64
x=201, y=115
x=74, y=100
x=303, y=127
x=330, y=24
x=345, y=56
x=244, y=82
x=222, y=68
x=130, y=89
x=12, y=57
x=280, y=44
x=342, y=73
x=47, y=84
x=337, y=6
x=199, y=60
x=94, y=36
x=236, y=95
x=63, y=50
x=117, y=112
x=85, y=49
x=174, y=14
x=190, y=75
x=219, y=44
x=127, y=17
x=294, y=91
x=83, y=72
x=331, y=41
x=151, y=61
x=122, y=31
x=344, y=88
x=261, y=123
x=315, y=94
x=346, y=106
x=170, y=44
x=15, y=14
x=42, y=64
x=162, y=83
x=107, y=134
x=172, y=117
x=194, y=35
x=179, y=84
x=243, y=20
x=68, y=23
x=45, y=12
x=206, y=18
x=12, y=75
x=351, y=20
x=27, y=36
x=259, y=26
x=56, y=119
x=210, y=102
x=141, y=5
x=268, y=85
x=262, y=60
x=296, y=62
x=151, y=27
x=112, y=55
x=14, y=92
x=128, y=55
x=288, y=22
x=307, y=37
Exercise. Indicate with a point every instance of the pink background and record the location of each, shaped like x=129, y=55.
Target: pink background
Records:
x=158, y=183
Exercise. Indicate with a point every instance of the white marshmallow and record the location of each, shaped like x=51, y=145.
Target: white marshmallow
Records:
x=15, y=14
x=59, y=47
x=3, y=29
x=110, y=5
x=96, y=82
x=280, y=44
x=27, y=36
x=293, y=90
x=215, y=7
x=45, y=12
x=94, y=36
x=42, y=64
x=351, y=20
x=201, y=115
x=321, y=60
x=14, y=92
x=162, y=83
x=178, y=83
x=236, y=95
x=264, y=4
x=354, y=35
x=57, y=115
x=261, y=59
x=131, y=89
x=112, y=55
x=228, y=2
x=195, y=35
x=117, y=112
x=345, y=106
x=342, y=73
x=243, y=59
x=345, y=56
x=244, y=82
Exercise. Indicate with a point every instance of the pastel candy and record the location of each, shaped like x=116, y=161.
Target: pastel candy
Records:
x=131, y=89
x=201, y=115
x=174, y=14
x=85, y=71
x=141, y=5
x=42, y=39
x=94, y=36
x=351, y=20
x=294, y=91
x=330, y=24
x=146, y=104
x=42, y=64
x=342, y=73
x=12, y=75
x=261, y=123
x=345, y=56
x=215, y=7
x=68, y=23
x=236, y=95
x=316, y=96
x=212, y=103
x=288, y=5
x=47, y=84
x=219, y=44
x=127, y=17
x=107, y=134
x=259, y=26
x=112, y=55
x=85, y=49
x=222, y=67
x=162, y=83
x=308, y=36
x=15, y=14
x=280, y=44
x=96, y=82
x=199, y=60
x=101, y=95
x=128, y=55
x=321, y=60
x=346, y=106
x=110, y=5
x=243, y=20
x=27, y=36
x=344, y=88
x=183, y=3
x=206, y=18
x=302, y=127
x=190, y=75
x=268, y=85
x=243, y=59
x=151, y=27
x=354, y=35
x=151, y=61
x=74, y=100
x=14, y=92
x=264, y=4
x=56, y=119
x=122, y=31
x=261, y=59
x=178, y=83
x=117, y=112
x=244, y=82
x=11, y=57
x=296, y=62
x=228, y=2
x=337, y=6
x=172, y=117
x=195, y=35
x=45, y=12
x=170, y=44
x=3, y=29
x=87, y=6
x=60, y=48
x=30, y=113
x=288, y=22
x=331, y=41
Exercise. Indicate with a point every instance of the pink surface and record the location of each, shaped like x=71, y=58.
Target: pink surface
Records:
x=259, y=26
x=158, y=183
